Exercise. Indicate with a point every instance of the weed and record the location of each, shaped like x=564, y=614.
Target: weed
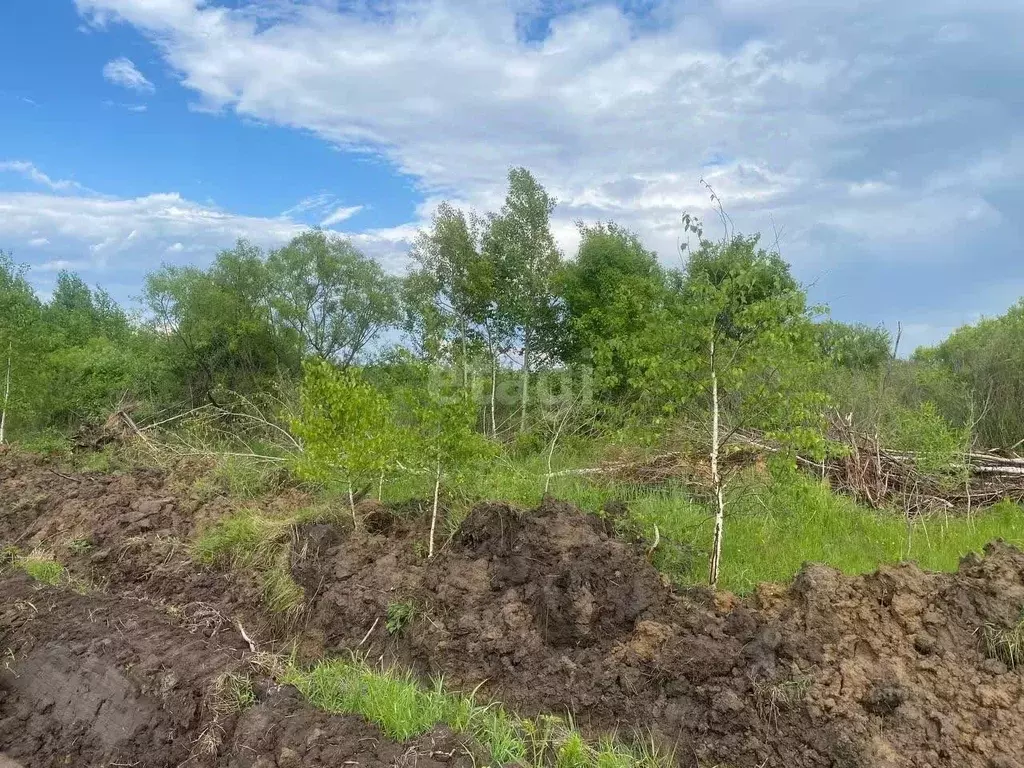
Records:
x=42, y=567
x=231, y=693
x=245, y=539
x=1006, y=644
x=78, y=546
x=771, y=698
x=399, y=616
x=281, y=594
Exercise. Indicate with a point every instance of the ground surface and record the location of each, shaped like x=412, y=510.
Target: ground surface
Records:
x=546, y=608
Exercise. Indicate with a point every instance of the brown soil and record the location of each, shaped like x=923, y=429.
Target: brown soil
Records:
x=94, y=680
x=547, y=608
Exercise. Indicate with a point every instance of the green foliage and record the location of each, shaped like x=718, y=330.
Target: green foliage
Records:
x=333, y=297
x=939, y=449
x=854, y=346
x=616, y=303
x=742, y=302
x=219, y=323
x=345, y=425
x=399, y=616
x=975, y=375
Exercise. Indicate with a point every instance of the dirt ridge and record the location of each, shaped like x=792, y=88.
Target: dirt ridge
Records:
x=552, y=612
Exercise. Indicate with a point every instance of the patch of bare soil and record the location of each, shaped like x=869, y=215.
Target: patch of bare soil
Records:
x=95, y=680
x=552, y=613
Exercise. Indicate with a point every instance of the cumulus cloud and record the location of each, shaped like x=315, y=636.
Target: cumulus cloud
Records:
x=840, y=123
x=617, y=117
x=123, y=239
x=123, y=72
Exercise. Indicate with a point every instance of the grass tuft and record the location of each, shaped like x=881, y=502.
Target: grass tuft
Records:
x=42, y=567
x=399, y=616
x=1005, y=643
x=248, y=540
x=244, y=539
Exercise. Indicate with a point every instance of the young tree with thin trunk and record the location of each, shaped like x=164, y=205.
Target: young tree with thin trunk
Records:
x=347, y=430
x=755, y=361
x=446, y=446
x=522, y=249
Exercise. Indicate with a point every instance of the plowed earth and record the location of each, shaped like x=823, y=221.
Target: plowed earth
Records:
x=545, y=607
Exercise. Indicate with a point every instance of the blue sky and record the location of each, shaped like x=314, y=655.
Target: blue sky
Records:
x=883, y=141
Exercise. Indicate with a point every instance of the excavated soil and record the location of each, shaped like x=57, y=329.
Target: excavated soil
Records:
x=94, y=680
x=546, y=608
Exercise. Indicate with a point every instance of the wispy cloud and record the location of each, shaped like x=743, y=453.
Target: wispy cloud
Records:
x=30, y=172
x=122, y=71
x=339, y=215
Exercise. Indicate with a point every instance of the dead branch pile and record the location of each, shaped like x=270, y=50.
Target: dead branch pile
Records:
x=861, y=468
x=878, y=477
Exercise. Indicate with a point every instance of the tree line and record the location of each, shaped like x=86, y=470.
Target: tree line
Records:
x=492, y=301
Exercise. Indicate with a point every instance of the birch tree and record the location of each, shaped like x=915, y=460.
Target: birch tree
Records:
x=522, y=249
x=756, y=362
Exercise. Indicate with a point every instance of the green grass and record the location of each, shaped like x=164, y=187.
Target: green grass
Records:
x=248, y=540
x=42, y=567
x=404, y=709
x=243, y=539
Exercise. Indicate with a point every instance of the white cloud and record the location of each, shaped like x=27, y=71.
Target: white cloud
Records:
x=123, y=239
x=339, y=215
x=33, y=174
x=873, y=134
x=616, y=118
x=122, y=71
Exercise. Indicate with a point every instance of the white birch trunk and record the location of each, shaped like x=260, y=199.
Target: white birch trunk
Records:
x=716, y=478
x=524, y=400
x=7, y=395
x=433, y=516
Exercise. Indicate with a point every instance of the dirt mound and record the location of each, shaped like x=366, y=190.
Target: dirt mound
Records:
x=95, y=680
x=552, y=612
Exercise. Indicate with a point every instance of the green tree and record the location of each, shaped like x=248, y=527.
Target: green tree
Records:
x=519, y=244
x=757, y=362
x=220, y=324
x=447, y=445
x=975, y=376
x=855, y=346
x=336, y=299
x=615, y=298
x=346, y=427
x=23, y=347
x=77, y=313
x=459, y=279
